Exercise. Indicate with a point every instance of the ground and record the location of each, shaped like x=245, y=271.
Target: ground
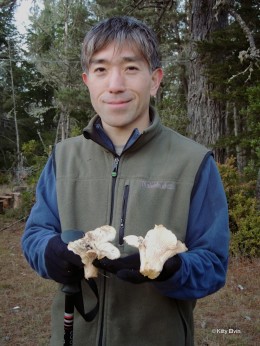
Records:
x=228, y=317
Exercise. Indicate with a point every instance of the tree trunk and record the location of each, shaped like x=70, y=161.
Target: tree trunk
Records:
x=258, y=190
x=19, y=163
x=63, y=126
x=207, y=116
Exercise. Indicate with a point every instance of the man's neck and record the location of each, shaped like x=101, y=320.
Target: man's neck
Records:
x=119, y=136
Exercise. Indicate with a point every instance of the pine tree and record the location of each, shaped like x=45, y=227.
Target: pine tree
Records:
x=8, y=107
x=55, y=44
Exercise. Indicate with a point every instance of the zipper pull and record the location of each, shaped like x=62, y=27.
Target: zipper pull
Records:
x=115, y=167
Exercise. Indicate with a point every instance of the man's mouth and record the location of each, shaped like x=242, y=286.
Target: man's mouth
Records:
x=116, y=102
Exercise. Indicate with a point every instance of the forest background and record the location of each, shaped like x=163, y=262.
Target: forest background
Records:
x=210, y=91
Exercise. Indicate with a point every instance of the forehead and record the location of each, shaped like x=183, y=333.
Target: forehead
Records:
x=115, y=51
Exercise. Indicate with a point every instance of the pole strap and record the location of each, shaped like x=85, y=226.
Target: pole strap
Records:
x=79, y=302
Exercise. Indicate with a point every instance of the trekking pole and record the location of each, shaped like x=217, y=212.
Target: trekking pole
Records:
x=70, y=290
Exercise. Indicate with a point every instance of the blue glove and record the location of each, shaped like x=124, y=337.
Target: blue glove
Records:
x=62, y=265
x=128, y=268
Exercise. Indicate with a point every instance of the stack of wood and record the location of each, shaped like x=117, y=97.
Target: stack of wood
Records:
x=9, y=200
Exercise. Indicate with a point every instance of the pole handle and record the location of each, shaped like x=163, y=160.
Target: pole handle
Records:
x=71, y=289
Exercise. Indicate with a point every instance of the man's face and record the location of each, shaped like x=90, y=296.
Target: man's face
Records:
x=120, y=85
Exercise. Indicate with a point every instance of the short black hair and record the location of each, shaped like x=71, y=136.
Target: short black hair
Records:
x=121, y=29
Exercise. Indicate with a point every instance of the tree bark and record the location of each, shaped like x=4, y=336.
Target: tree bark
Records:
x=19, y=163
x=240, y=153
x=206, y=115
x=258, y=190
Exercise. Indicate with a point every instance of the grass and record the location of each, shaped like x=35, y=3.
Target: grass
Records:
x=228, y=317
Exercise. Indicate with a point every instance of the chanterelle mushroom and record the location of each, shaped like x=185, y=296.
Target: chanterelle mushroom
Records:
x=158, y=245
x=95, y=244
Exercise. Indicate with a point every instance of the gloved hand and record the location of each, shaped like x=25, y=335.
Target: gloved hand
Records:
x=131, y=262
x=62, y=264
x=128, y=268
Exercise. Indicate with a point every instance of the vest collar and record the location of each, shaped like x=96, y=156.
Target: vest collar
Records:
x=95, y=132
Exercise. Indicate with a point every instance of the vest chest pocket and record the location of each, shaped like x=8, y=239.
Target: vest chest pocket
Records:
x=149, y=203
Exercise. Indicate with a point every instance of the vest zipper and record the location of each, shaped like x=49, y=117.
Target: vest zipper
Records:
x=123, y=216
x=114, y=176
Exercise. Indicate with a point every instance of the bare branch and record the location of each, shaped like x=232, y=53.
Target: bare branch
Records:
x=249, y=68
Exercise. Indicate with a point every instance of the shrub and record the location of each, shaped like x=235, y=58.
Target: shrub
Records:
x=5, y=178
x=243, y=212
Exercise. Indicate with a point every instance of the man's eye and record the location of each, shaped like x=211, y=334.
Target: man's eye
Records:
x=99, y=70
x=132, y=68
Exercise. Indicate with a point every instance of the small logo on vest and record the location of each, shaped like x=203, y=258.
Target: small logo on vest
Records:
x=162, y=185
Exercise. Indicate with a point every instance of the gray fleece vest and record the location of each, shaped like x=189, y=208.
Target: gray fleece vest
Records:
x=150, y=184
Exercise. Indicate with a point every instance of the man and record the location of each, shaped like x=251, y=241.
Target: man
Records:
x=131, y=172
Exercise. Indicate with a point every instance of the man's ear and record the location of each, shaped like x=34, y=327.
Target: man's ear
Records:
x=85, y=78
x=157, y=76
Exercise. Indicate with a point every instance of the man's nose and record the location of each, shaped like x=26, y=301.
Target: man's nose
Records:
x=116, y=82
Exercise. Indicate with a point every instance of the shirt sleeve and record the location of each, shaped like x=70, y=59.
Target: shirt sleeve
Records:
x=204, y=265
x=43, y=222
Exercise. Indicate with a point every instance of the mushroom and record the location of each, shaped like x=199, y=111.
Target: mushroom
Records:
x=158, y=245
x=95, y=244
